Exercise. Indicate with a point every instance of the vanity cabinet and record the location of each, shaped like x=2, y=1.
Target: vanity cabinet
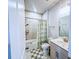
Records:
x=52, y=51
x=57, y=52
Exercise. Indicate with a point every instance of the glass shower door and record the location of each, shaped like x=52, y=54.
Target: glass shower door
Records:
x=42, y=32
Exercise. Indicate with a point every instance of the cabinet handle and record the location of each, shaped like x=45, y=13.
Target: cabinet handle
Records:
x=57, y=55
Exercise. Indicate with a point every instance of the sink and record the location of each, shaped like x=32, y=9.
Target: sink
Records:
x=60, y=42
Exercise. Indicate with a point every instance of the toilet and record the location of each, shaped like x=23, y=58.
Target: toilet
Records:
x=45, y=48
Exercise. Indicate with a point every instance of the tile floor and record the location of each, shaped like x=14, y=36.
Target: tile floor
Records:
x=28, y=55
x=32, y=44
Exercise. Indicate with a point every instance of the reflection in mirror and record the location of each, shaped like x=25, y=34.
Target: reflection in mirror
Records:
x=64, y=23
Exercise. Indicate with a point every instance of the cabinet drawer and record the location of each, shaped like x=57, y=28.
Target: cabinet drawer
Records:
x=52, y=51
x=64, y=52
x=64, y=56
x=53, y=55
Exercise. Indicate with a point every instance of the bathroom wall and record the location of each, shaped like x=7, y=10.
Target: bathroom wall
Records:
x=59, y=10
x=16, y=28
x=54, y=18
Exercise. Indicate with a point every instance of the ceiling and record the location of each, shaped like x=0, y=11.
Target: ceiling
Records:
x=39, y=6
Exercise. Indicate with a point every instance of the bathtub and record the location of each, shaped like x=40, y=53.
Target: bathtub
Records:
x=31, y=44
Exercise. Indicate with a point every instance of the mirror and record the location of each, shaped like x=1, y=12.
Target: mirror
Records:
x=64, y=26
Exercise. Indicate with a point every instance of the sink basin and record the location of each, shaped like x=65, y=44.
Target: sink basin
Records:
x=60, y=43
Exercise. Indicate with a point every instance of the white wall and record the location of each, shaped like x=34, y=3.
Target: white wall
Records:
x=54, y=18
x=16, y=28
x=54, y=14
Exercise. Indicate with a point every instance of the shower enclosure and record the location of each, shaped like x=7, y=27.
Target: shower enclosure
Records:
x=31, y=29
x=35, y=33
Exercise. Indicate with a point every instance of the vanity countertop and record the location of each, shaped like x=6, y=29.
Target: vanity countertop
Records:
x=60, y=42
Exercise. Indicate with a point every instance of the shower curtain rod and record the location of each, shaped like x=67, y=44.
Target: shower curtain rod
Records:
x=32, y=18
